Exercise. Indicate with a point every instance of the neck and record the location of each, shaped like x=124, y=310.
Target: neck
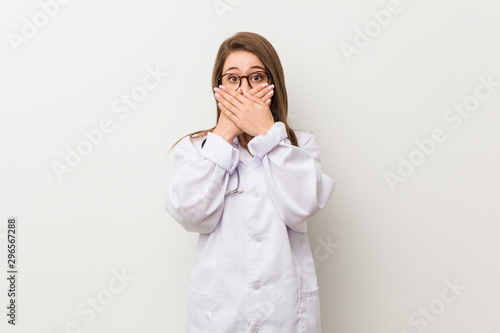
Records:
x=244, y=139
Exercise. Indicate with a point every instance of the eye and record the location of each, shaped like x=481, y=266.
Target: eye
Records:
x=233, y=78
x=257, y=77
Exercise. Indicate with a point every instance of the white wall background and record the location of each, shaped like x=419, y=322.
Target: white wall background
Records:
x=385, y=257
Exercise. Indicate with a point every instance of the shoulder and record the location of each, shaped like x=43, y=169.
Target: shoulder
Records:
x=304, y=138
x=189, y=143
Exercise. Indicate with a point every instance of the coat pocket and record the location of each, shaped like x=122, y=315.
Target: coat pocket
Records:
x=200, y=312
x=310, y=321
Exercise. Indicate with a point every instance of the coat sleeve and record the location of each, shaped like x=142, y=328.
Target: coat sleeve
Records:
x=195, y=196
x=297, y=187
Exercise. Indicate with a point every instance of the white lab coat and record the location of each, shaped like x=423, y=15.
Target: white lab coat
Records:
x=253, y=270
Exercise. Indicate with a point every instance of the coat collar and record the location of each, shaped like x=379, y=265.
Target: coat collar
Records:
x=245, y=157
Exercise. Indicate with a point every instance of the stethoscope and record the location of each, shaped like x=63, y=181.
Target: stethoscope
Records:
x=237, y=189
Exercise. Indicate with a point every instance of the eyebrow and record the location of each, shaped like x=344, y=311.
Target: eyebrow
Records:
x=260, y=67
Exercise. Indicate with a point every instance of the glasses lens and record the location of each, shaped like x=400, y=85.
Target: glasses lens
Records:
x=231, y=81
x=257, y=78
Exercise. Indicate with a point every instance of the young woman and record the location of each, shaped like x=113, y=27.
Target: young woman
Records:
x=248, y=186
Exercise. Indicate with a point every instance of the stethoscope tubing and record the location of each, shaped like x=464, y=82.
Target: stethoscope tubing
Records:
x=237, y=189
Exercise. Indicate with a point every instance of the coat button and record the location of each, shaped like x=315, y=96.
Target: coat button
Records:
x=258, y=238
x=256, y=193
x=253, y=329
x=256, y=285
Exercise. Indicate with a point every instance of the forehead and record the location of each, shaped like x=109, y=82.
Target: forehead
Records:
x=243, y=60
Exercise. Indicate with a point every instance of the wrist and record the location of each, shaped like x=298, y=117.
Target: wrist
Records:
x=228, y=137
x=265, y=129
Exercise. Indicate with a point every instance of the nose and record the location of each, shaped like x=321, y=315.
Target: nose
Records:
x=244, y=86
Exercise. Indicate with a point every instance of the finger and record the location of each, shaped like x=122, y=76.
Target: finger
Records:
x=231, y=116
x=224, y=97
x=266, y=96
x=231, y=110
x=226, y=104
x=267, y=91
x=224, y=116
x=232, y=96
x=258, y=89
x=253, y=98
x=262, y=91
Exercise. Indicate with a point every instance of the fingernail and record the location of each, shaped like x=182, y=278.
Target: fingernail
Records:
x=271, y=87
x=264, y=85
x=270, y=93
x=222, y=87
x=217, y=95
x=217, y=89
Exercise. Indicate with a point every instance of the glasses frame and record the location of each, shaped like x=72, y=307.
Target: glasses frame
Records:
x=219, y=80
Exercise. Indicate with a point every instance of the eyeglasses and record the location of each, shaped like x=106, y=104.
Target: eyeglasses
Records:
x=233, y=81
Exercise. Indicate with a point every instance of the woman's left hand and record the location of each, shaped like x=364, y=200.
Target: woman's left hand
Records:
x=248, y=112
